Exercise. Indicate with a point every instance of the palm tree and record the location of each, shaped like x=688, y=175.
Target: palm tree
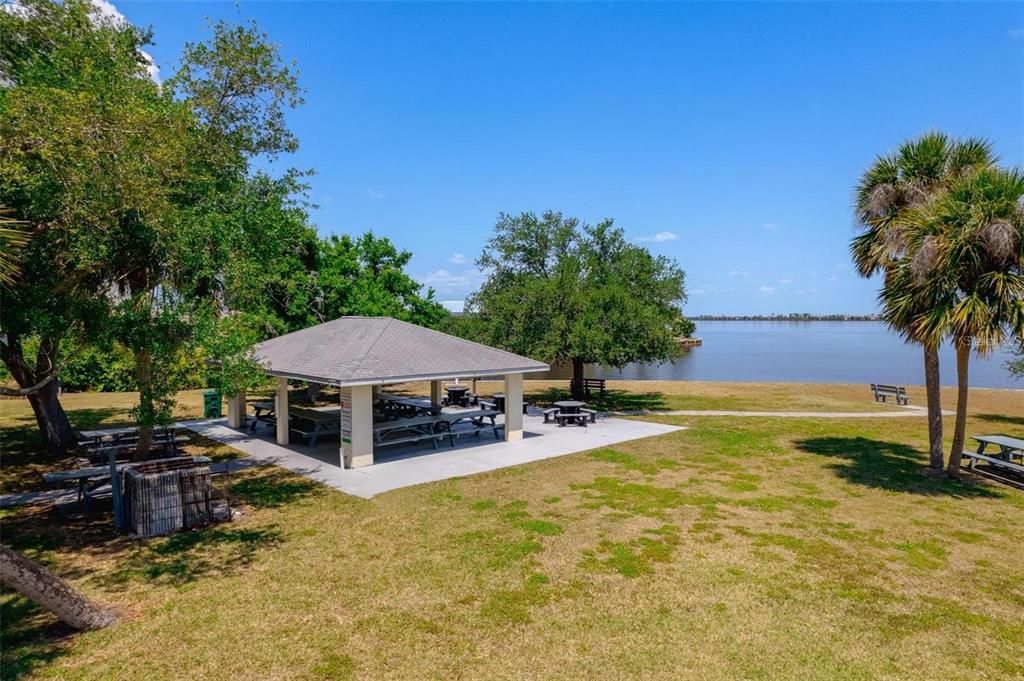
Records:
x=968, y=261
x=12, y=239
x=895, y=184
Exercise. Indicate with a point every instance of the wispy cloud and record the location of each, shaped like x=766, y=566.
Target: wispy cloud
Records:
x=1017, y=33
x=833, y=278
x=659, y=237
x=458, y=259
x=769, y=225
x=785, y=280
x=737, y=273
x=766, y=290
x=375, y=194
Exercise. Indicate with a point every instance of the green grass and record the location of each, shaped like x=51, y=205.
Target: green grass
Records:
x=753, y=548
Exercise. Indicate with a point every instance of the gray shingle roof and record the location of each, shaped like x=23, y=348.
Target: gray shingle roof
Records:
x=360, y=350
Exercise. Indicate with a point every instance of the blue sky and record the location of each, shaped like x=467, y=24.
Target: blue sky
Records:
x=725, y=135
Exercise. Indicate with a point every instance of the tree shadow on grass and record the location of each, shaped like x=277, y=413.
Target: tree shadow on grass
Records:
x=1002, y=419
x=31, y=637
x=887, y=465
x=612, y=400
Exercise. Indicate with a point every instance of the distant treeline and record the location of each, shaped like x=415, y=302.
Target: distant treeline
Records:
x=792, y=317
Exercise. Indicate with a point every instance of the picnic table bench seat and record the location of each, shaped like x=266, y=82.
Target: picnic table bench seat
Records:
x=883, y=390
x=992, y=460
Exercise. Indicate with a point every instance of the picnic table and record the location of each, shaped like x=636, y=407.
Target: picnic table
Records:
x=111, y=442
x=322, y=422
x=265, y=411
x=100, y=474
x=570, y=410
x=411, y=430
x=1009, y=449
x=457, y=394
x=476, y=419
x=395, y=406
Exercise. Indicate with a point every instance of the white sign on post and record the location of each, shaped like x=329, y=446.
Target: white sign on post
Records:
x=346, y=425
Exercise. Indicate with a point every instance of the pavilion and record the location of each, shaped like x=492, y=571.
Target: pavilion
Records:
x=360, y=354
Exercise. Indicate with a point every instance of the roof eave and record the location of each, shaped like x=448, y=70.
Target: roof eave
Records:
x=407, y=379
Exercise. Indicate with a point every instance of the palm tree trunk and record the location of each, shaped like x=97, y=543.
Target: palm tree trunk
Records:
x=933, y=395
x=963, y=357
x=47, y=590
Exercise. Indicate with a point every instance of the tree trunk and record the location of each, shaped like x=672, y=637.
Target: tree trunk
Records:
x=313, y=392
x=577, y=377
x=933, y=395
x=47, y=590
x=54, y=427
x=963, y=357
x=143, y=375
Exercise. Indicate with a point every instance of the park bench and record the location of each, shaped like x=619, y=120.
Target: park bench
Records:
x=882, y=391
x=587, y=384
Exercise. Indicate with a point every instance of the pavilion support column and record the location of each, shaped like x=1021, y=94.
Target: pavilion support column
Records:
x=435, y=392
x=357, y=426
x=281, y=410
x=513, y=407
x=236, y=410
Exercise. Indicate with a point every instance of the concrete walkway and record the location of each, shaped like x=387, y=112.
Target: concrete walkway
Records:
x=397, y=467
x=905, y=411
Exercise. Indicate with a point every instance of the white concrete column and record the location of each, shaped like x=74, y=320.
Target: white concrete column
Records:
x=281, y=409
x=236, y=410
x=435, y=392
x=357, y=426
x=513, y=407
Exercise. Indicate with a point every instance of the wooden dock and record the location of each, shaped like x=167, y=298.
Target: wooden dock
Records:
x=690, y=342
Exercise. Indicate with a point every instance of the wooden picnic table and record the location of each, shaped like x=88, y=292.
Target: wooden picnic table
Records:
x=100, y=474
x=265, y=411
x=1009, y=448
x=110, y=441
x=417, y=428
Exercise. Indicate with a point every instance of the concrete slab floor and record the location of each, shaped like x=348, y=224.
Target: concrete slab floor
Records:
x=397, y=467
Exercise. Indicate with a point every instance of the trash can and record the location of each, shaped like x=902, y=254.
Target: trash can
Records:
x=211, y=404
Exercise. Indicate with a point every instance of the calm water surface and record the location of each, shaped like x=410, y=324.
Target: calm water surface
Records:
x=811, y=352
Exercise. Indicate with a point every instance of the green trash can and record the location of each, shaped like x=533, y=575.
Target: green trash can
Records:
x=211, y=404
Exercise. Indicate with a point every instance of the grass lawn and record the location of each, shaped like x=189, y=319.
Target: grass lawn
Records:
x=741, y=548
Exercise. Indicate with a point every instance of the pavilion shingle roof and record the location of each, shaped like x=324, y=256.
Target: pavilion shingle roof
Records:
x=361, y=350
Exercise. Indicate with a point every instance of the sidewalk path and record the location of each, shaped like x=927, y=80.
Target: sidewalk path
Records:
x=905, y=411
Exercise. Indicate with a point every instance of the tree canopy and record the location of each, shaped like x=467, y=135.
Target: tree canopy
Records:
x=562, y=290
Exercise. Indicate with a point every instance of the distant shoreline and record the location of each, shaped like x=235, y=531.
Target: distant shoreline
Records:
x=787, y=318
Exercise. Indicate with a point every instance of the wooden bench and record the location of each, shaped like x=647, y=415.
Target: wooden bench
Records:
x=882, y=391
x=588, y=385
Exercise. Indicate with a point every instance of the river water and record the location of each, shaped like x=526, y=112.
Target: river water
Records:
x=806, y=352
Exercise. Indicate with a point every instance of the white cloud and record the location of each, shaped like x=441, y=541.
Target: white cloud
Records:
x=737, y=273
x=766, y=290
x=833, y=278
x=659, y=237
x=448, y=283
x=786, y=280
x=375, y=194
x=103, y=10
x=458, y=259
x=454, y=305
x=769, y=225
